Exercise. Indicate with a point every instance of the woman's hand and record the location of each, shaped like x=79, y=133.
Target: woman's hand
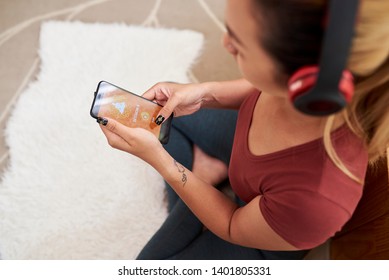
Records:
x=185, y=99
x=180, y=99
x=136, y=141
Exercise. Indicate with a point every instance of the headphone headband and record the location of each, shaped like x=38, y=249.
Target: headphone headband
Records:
x=324, y=97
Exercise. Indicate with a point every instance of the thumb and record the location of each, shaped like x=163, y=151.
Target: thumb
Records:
x=118, y=136
x=114, y=126
x=149, y=94
x=167, y=110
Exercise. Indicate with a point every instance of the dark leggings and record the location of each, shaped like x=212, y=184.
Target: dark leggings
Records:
x=182, y=236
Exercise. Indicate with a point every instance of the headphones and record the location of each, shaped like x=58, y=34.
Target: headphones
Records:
x=324, y=89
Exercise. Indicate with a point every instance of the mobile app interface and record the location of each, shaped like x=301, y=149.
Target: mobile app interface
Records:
x=127, y=108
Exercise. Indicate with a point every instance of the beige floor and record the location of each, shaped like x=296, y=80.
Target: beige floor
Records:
x=17, y=55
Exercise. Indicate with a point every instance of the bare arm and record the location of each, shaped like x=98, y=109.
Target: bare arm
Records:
x=244, y=226
x=227, y=94
x=185, y=99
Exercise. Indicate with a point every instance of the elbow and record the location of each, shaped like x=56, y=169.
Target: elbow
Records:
x=229, y=234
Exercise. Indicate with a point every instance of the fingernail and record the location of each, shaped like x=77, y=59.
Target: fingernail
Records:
x=102, y=121
x=159, y=119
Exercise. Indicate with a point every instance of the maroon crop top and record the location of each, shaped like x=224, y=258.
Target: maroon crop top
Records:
x=306, y=199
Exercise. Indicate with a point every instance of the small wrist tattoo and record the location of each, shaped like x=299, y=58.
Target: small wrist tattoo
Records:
x=181, y=169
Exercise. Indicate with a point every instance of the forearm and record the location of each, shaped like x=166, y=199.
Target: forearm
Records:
x=213, y=208
x=227, y=94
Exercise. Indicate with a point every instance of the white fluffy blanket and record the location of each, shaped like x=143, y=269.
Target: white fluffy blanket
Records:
x=66, y=194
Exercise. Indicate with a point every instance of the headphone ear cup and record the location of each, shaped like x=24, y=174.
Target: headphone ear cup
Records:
x=346, y=85
x=303, y=81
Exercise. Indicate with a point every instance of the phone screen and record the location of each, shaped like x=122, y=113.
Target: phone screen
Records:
x=129, y=109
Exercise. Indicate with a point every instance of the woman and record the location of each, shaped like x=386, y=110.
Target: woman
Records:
x=298, y=177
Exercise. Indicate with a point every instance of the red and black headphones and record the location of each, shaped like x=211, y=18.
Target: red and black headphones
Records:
x=327, y=88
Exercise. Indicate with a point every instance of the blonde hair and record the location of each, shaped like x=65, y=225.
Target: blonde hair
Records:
x=368, y=113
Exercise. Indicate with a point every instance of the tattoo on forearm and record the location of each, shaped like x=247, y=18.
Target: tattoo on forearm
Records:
x=181, y=169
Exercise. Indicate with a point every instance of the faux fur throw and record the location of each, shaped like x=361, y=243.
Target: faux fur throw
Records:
x=66, y=193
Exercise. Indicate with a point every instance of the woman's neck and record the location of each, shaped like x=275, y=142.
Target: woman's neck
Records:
x=282, y=109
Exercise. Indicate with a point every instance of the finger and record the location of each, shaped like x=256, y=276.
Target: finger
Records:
x=114, y=140
x=118, y=135
x=115, y=127
x=150, y=94
x=167, y=110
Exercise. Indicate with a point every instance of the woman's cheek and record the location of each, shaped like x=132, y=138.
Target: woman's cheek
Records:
x=250, y=73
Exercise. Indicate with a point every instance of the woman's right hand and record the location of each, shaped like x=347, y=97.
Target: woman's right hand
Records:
x=180, y=99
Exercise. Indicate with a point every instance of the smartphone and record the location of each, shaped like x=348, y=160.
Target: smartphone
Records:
x=129, y=109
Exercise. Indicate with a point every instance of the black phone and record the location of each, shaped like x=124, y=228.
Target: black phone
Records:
x=129, y=109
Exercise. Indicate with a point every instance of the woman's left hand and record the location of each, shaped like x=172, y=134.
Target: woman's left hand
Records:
x=136, y=141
